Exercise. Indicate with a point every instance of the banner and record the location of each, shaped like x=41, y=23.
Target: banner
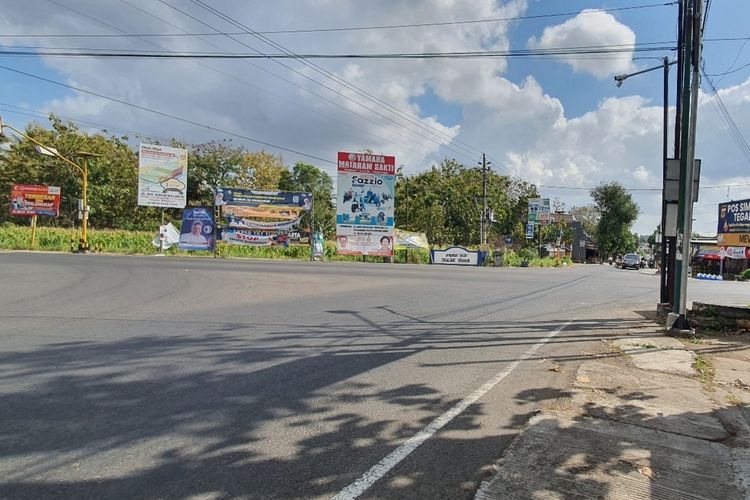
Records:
x=249, y=204
x=162, y=176
x=253, y=238
x=197, y=231
x=169, y=234
x=31, y=199
x=365, y=203
x=409, y=239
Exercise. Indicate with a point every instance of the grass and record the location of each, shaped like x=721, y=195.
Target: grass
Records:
x=54, y=239
x=705, y=370
x=734, y=400
x=644, y=345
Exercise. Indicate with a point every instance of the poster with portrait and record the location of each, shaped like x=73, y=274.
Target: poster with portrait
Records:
x=365, y=204
x=197, y=230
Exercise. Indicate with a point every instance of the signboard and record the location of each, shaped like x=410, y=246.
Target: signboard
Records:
x=539, y=211
x=734, y=253
x=734, y=223
x=262, y=218
x=456, y=256
x=365, y=202
x=530, y=231
x=197, y=230
x=410, y=239
x=32, y=199
x=162, y=176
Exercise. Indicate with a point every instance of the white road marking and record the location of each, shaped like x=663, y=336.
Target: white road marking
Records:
x=392, y=459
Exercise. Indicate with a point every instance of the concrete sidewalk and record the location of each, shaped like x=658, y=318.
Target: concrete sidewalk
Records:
x=652, y=417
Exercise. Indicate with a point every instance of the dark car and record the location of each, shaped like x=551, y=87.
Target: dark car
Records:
x=631, y=261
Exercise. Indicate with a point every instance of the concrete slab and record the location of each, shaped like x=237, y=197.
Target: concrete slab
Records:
x=649, y=342
x=563, y=457
x=675, y=361
x=658, y=400
x=731, y=372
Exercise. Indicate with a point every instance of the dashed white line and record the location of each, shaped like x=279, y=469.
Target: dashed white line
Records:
x=380, y=469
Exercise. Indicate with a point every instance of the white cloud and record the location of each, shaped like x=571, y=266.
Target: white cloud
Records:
x=590, y=28
x=525, y=129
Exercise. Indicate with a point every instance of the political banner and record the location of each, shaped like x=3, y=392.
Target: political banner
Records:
x=735, y=252
x=33, y=199
x=248, y=204
x=162, y=176
x=365, y=204
x=197, y=230
x=253, y=238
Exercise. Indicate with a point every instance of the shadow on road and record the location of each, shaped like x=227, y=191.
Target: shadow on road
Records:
x=177, y=416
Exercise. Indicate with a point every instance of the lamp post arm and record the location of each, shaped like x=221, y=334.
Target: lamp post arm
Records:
x=620, y=78
x=55, y=153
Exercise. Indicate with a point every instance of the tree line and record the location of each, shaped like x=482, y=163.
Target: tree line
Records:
x=444, y=201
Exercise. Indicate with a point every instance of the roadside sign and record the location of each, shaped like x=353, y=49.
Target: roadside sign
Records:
x=508, y=240
x=32, y=200
x=529, y=231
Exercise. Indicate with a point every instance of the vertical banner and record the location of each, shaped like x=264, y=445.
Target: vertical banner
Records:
x=365, y=203
x=32, y=199
x=197, y=230
x=162, y=176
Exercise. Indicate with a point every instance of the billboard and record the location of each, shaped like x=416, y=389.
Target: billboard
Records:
x=262, y=218
x=734, y=223
x=197, y=230
x=365, y=203
x=539, y=211
x=33, y=199
x=162, y=176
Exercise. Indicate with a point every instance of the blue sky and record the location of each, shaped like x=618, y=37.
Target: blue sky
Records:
x=543, y=120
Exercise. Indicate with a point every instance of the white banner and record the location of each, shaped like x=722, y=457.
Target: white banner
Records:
x=162, y=176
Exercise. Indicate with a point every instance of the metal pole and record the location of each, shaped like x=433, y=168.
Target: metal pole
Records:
x=83, y=246
x=406, y=184
x=161, y=234
x=663, y=291
x=687, y=166
x=672, y=241
x=312, y=225
x=483, y=218
x=33, y=231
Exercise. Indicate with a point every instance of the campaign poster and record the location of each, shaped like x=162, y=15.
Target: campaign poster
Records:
x=197, y=230
x=33, y=199
x=365, y=204
x=162, y=176
x=253, y=238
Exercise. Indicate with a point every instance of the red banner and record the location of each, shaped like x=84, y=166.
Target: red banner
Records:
x=366, y=163
x=30, y=200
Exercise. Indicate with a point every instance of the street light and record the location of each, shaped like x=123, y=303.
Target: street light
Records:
x=83, y=244
x=664, y=294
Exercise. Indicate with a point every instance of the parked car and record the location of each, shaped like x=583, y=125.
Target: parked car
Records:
x=631, y=261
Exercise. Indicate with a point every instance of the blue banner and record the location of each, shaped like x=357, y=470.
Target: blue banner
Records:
x=197, y=231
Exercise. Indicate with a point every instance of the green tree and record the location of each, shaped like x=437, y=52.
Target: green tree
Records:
x=618, y=213
x=260, y=170
x=211, y=165
x=588, y=216
x=113, y=175
x=309, y=178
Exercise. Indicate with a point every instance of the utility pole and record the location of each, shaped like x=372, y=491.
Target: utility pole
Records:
x=691, y=76
x=483, y=217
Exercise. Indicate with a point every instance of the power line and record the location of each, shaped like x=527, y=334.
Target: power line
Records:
x=245, y=82
x=168, y=115
x=355, y=28
x=126, y=53
x=729, y=122
x=369, y=110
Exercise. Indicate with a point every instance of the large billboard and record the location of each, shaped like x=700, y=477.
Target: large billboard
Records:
x=32, y=199
x=197, y=230
x=734, y=223
x=365, y=203
x=162, y=176
x=261, y=218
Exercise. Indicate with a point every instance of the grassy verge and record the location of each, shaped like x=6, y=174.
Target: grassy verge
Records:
x=705, y=370
x=55, y=239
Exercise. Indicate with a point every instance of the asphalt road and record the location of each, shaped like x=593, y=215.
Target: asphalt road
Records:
x=147, y=377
